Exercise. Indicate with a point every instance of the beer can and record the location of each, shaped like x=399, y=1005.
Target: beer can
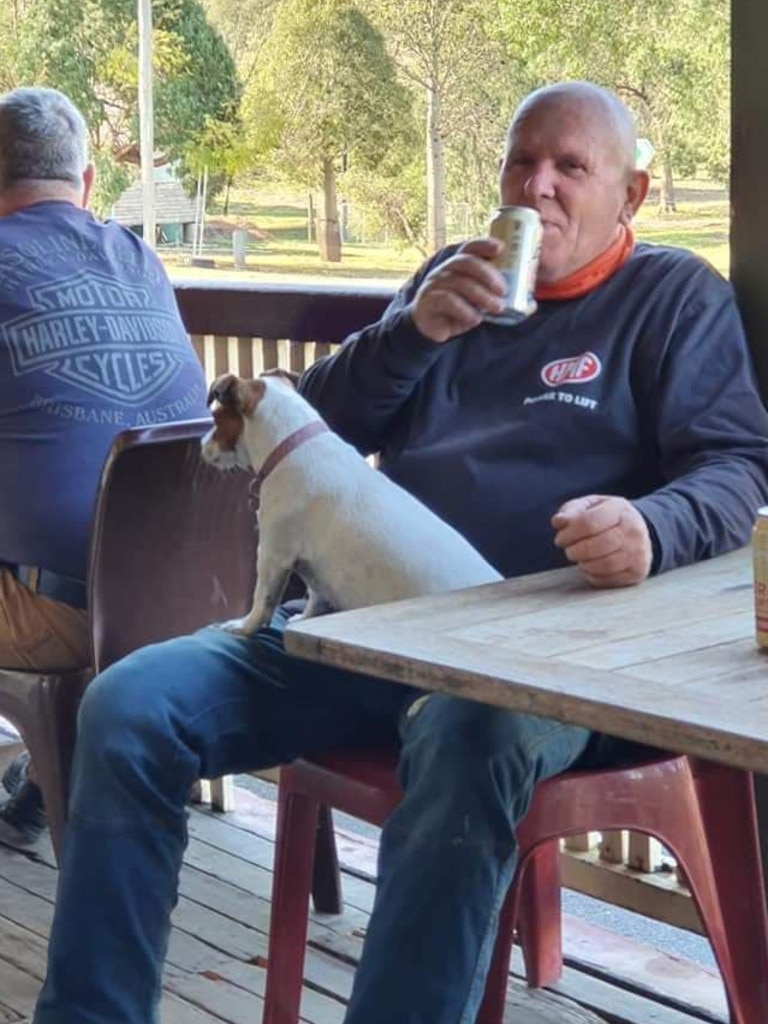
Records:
x=519, y=228
x=760, y=567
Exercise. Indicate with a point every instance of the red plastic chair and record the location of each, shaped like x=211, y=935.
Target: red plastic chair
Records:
x=703, y=812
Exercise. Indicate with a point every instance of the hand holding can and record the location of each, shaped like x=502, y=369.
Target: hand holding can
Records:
x=518, y=228
x=459, y=291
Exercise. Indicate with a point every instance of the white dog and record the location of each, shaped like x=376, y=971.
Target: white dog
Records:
x=352, y=535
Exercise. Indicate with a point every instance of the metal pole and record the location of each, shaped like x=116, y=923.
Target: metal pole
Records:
x=146, y=122
x=203, y=202
x=198, y=207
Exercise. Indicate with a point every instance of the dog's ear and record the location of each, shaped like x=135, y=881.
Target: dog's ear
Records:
x=287, y=376
x=237, y=395
x=223, y=390
x=250, y=393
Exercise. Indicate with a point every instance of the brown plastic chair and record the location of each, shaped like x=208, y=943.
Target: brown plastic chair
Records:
x=43, y=707
x=173, y=545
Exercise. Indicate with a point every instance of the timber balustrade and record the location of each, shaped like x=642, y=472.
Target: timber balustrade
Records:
x=245, y=329
x=248, y=329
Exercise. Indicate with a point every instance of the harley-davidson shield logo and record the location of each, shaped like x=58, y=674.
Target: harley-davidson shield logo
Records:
x=108, y=338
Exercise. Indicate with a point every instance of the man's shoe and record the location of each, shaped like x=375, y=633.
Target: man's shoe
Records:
x=22, y=815
x=16, y=772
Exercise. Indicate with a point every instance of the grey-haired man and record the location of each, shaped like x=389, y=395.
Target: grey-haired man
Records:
x=90, y=343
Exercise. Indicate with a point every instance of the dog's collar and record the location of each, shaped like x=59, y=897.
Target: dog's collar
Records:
x=286, y=446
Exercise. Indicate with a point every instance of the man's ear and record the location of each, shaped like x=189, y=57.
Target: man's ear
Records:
x=89, y=177
x=637, y=190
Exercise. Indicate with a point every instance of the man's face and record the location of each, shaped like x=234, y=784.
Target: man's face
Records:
x=565, y=160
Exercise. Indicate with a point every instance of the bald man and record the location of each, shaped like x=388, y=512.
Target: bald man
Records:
x=617, y=428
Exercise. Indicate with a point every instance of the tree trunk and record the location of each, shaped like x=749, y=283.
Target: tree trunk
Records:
x=667, y=202
x=344, y=221
x=410, y=234
x=226, y=194
x=310, y=217
x=435, y=170
x=328, y=236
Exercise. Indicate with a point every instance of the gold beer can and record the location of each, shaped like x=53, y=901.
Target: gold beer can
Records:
x=760, y=567
x=519, y=228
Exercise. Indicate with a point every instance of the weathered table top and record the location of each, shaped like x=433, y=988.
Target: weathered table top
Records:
x=672, y=663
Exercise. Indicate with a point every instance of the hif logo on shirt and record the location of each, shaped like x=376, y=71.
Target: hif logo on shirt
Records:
x=574, y=370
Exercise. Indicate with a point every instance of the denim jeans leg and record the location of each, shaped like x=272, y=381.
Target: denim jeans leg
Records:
x=205, y=705
x=447, y=856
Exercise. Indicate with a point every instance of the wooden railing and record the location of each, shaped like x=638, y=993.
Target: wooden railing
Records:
x=247, y=329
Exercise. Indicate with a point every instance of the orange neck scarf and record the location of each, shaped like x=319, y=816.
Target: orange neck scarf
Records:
x=588, y=277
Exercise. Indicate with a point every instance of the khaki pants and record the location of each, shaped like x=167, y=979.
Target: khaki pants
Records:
x=38, y=633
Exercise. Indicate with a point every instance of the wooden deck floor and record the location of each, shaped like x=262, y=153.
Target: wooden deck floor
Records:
x=217, y=955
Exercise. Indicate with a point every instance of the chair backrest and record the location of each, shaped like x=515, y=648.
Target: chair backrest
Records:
x=173, y=544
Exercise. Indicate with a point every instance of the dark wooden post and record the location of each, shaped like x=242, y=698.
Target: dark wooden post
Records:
x=749, y=199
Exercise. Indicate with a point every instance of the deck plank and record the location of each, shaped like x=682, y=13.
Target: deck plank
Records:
x=18, y=988
x=174, y=1010
x=216, y=973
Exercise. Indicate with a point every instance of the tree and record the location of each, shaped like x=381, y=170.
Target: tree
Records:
x=13, y=15
x=244, y=25
x=448, y=50
x=669, y=61
x=88, y=50
x=327, y=91
x=391, y=196
x=221, y=145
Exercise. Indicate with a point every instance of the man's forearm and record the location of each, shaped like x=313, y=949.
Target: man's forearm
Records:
x=704, y=514
x=361, y=388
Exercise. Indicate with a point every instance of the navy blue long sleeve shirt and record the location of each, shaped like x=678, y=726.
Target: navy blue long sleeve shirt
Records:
x=642, y=388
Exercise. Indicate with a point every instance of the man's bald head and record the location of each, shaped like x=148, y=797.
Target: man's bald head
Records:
x=603, y=105
x=571, y=156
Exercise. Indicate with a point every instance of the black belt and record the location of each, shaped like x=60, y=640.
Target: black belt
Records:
x=51, y=584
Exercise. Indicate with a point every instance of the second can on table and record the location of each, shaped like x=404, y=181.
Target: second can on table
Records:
x=519, y=228
x=760, y=564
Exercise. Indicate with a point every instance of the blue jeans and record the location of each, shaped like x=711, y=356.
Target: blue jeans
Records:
x=213, y=704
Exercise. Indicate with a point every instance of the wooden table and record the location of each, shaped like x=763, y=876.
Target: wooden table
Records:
x=672, y=663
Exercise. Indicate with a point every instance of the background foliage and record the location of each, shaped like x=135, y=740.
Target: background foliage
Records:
x=401, y=104
x=88, y=50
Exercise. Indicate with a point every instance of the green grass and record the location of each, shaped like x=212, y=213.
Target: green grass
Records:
x=285, y=222
x=278, y=246
x=699, y=224
x=290, y=261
